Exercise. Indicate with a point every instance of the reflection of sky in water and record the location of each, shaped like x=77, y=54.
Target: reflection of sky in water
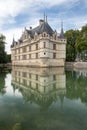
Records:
x=9, y=88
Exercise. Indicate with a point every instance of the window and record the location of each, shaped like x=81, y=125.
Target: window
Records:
x=24, y=57
x=19, y=74
x=44, y=53
x=54, y=46
x=30, y=76
x=19, y=57
x=36, y=85
x=44, y=44
x=36, y=55
x=30, y=83
x=36, y=77
x=24, y=74
x=18, y=50
x=54, y=77
x=29, y=56
x=15, y=57
x=54, y=55
x=29, y=48
x=24, y=49
x=36, y=46
x=24, y=82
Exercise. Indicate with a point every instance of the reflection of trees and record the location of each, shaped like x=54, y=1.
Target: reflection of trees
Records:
x=76, y=86
x=2, y=83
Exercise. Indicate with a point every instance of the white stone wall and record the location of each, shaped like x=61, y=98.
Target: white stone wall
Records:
x=22, y=55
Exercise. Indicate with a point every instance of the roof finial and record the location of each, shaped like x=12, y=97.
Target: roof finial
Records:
x=61, y=25
x=44, y=16
x=62, y=33
x=13, y=40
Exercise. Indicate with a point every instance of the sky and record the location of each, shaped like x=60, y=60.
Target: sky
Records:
x=15, y=15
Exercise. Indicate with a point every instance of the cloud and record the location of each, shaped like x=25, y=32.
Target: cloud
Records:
x=16, y=14
x=16, y=33
x=10, y=9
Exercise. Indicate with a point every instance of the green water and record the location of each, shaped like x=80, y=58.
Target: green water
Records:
x=43, y=99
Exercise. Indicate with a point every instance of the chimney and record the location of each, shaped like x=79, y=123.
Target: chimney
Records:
x=41, y=22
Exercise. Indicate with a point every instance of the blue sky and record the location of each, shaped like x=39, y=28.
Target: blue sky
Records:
x=17, y=14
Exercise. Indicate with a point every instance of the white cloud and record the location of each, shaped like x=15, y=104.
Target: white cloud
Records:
x=16, y=33
x=12, y=8
x=9, y=9
x=76, y=22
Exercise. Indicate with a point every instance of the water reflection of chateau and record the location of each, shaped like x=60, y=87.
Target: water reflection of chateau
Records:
x=40, y=85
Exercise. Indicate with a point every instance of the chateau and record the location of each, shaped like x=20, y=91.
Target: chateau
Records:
x=39, y=47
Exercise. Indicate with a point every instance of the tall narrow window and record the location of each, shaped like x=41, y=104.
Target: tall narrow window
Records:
x=29, y=48
x=30, y=75
x=54, y=55
x=36, y=85
x=36, y=46
x=29, y=56
x=44, y=44
x=24, y=49
x=24, y=74
x=54, y=77
x=36, y=55
x=54, y=46
x=36, y=77
x=24, y=57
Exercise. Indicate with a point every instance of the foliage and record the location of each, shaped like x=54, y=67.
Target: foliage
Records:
x=76, y=43
x=2, y=83
x=17, y=126
x=71, y=36
x=3, y=56
x=81, y=45
x=8, y=58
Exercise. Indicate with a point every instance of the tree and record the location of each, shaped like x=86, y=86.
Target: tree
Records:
x=71, y=36
x=81, y=44
x=8, y=58
x=3, y=56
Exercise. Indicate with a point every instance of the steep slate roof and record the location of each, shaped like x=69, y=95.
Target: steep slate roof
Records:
x=44, y=27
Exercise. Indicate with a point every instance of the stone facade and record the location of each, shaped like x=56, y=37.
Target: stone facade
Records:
x=39, y=47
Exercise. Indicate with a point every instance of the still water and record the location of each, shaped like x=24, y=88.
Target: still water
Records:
x=43, y=99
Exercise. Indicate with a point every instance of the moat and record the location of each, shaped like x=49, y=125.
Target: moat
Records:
x=43, y=99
